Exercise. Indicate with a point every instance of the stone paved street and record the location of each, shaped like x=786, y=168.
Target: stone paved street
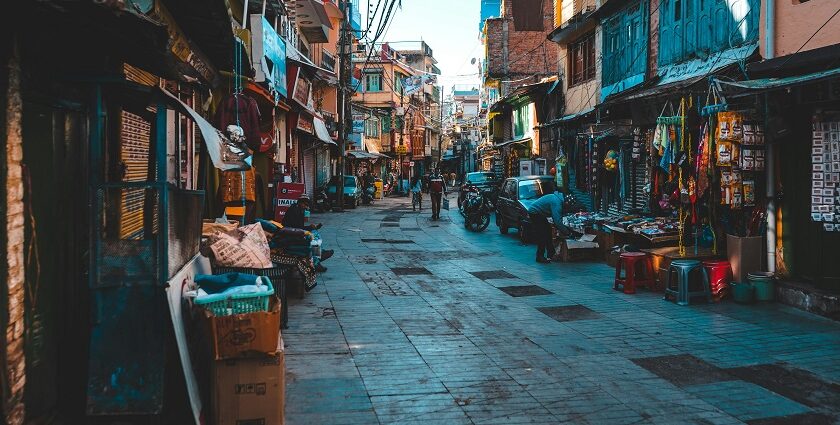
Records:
x=420, y=321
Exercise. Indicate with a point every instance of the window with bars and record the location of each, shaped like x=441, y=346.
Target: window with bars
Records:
x=582, y=60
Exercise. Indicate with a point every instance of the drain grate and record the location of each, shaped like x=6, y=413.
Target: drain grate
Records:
x=568, y=313
x=409, y=271
x=525, y=291
x=798, y=385
x=493, y=274
x=683, y=370
x=390, y=225
x=398, y=241
x=411, y=229
x=375, y=240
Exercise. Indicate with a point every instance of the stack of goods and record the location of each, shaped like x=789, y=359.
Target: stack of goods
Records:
x=291, y=247
x=241, y=324
x=241, y=318
x=582, y=221
x=825, y=175
x=739, y=153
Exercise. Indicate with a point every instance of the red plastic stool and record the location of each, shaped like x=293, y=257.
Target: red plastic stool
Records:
x=629, y=260
x=720, y=274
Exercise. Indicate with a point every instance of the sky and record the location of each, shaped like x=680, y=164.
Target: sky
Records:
x=449, y=27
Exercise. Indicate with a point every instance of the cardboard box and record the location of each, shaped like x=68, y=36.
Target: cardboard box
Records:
x=241, y=335
x=250, y=391
x=746, y=255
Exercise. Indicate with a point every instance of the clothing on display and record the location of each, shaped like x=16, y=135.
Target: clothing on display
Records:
x=242, y=110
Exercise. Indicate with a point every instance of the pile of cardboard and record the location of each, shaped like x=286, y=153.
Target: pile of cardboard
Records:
x=248, y=368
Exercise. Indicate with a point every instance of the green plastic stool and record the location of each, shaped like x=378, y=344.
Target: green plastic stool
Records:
x=681, y=270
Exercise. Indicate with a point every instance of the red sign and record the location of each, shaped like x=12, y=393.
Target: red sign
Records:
x=304, y=123
x=286, y=195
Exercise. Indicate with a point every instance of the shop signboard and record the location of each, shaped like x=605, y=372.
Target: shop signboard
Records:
x=305, y=124
x=358, y=125
x=286, y=195
x=302, y=89
x=402, y=149
x=268, y=55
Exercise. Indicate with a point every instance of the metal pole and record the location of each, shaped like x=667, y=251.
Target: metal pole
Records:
x=402, y=132
x=770, y=168
x=343, y=40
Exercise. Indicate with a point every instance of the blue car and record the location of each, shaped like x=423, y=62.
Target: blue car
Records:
x=352, y=191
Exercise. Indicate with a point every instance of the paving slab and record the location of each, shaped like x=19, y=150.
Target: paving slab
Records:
x=419, y=321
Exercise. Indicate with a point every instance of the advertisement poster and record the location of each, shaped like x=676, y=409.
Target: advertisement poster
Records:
x=286, y=195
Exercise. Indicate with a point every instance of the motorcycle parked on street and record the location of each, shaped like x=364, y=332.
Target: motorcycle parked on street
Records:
x=321, y=202
x=476, y=210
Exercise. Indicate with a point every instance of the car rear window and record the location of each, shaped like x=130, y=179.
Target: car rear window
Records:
x=533, y=189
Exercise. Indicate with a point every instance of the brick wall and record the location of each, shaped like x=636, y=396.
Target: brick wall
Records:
x=520, y=57
x=14, y=368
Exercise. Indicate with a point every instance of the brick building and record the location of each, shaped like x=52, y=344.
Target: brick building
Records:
x=517, y=50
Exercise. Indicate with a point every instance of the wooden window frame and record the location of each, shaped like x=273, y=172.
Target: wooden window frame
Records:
x=581, y=58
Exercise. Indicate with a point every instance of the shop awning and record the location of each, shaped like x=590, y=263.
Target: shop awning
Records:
x=524, y=93
x=569, y=117
x=225, y=155
x=512, y=141
x=777, y=83
x=322, y=133
x=672, y=78
x=365, y=155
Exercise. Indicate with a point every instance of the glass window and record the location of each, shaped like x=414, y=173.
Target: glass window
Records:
x=373, y=81
x=533, y=189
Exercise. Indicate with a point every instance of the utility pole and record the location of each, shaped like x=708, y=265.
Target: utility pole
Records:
x=343, y=101
x=402, y=132
x=440, y=132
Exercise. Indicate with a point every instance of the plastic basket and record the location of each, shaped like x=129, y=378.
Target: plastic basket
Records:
x=227, y=305
x=276, y=274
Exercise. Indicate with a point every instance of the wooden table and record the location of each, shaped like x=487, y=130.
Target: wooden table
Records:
x=662, y=257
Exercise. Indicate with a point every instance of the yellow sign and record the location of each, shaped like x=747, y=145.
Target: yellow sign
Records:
x=402, y=149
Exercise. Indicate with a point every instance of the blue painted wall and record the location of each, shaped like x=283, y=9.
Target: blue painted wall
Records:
x=695, y=29
x=624, y=46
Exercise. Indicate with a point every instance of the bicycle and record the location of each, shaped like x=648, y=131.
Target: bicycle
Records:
x=416, y=201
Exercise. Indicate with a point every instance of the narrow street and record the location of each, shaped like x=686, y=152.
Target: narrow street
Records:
x=423, y=321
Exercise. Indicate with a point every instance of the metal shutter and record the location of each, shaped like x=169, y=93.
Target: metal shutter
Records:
x=308, y=172
x=135, y=137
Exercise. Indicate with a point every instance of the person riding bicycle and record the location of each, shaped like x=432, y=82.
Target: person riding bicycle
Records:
x=416, y=193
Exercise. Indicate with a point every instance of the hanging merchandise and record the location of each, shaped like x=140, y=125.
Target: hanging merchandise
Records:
x=242, y=110
x=638, y=143
x=611, y=160
x=825, y=175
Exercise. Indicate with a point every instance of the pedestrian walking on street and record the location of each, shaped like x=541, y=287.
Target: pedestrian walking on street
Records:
x=437, y=188
x=549, y=205
x=417, y=193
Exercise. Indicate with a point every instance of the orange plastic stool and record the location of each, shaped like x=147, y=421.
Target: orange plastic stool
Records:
x=628, y=261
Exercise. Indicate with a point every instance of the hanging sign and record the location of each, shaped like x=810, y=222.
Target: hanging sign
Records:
x=302, y=89
x=402, y=149
x=305, y=124
x=268, y=55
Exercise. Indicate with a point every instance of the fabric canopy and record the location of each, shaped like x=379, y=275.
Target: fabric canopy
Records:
x=321, y=131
